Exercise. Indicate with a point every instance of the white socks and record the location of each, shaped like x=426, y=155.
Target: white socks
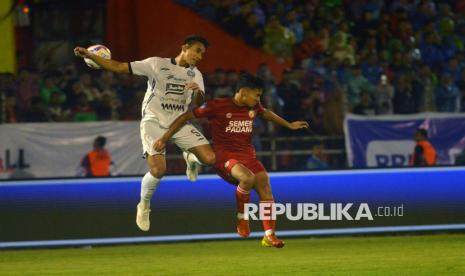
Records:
x=192, y=158
x=148, y=187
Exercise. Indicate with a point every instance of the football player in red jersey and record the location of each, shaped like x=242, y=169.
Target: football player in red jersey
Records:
x=231, y=121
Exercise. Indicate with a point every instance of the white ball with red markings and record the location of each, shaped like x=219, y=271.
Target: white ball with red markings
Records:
x=99, y=50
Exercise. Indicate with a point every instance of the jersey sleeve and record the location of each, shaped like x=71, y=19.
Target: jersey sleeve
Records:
x=205, y=111
x=146, y=67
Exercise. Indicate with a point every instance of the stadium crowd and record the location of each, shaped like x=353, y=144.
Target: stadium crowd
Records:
x=366, y=57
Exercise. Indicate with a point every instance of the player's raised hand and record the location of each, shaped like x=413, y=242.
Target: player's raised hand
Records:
x=81, y=52
x=159, y=145
x=298, y=125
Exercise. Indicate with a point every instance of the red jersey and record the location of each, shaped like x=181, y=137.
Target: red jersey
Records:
x=231, y=125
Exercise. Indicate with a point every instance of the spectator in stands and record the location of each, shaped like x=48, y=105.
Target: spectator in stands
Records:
x=384, y=94
x=425, y=82
x=98, y=161
x=106, y=108
x=342, y=48
x=27, y=88
x=424, y=153
x=453, y=68
x=289, y=91
x=314, y=107
x=88, y=87
x=252, y=33
x=333, y=116
x=48, y=86
x=292, y=23
x=371, y=69
x=37, y=112
x=278, y=40
x=318, y=159
x=221, y=87
x=56, y=110
x=308, y=47
x=356, y=84
x=232, y=78
x=404, y=101
x=259, y=130
x=446, y=95
x=83, y=111
x=107, y=83
x=365, y=107
x=271, y=97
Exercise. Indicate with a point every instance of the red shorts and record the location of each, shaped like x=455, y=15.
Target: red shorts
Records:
x=252, y=164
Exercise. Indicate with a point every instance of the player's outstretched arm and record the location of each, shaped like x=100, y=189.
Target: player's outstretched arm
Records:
x=198, y=94
x=160, y=144
x=273, y=117
x=107, y=64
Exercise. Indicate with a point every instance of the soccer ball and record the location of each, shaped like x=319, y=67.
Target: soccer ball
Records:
x=99, y=50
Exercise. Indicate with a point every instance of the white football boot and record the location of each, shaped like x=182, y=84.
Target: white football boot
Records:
x=192, y=170
x=143, y=218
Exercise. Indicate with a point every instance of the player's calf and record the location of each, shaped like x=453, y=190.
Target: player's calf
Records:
x=242, y=225
x=269, y=225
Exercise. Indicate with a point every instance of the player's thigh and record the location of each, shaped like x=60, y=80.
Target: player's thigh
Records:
x=262, y=186
x=157, y=165
x=189, y=137
x=150, y=132
x=205, y=154
x=241, y=173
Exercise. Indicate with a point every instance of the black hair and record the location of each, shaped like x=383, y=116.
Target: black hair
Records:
x=250, y=81
x=196, y=38
x=423, y=132
x=100, y=142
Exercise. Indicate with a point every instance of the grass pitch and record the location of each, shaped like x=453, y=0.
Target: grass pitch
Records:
x=382, y=255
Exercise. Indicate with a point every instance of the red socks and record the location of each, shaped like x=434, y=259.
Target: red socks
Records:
x=242, y=197
x=269, y=225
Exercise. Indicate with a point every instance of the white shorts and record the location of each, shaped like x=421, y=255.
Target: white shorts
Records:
x=185, y=138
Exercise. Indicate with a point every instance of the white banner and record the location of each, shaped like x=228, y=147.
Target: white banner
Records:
x=55, y=149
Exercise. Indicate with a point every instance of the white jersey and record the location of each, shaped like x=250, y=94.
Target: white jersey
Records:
x=166, y=98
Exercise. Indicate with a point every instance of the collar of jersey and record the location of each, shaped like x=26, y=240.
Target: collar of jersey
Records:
x=173, y=61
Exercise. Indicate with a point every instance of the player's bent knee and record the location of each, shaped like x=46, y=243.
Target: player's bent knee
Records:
x=210, y=159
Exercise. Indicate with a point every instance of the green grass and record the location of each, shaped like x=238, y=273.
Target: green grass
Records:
x=392, y=255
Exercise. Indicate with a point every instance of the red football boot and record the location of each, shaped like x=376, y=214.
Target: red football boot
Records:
x=272, y=241
x=243, y=228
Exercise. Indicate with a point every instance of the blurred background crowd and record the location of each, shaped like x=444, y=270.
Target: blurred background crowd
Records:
x=367, y=57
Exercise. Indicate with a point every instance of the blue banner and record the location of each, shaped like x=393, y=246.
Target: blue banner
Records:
x=102, y=210
x=388, y=141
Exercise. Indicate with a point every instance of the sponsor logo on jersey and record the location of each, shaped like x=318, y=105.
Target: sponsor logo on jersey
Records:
x=242, y=126
x=252, y=114
x=228, y=115
x=174, y=88
x=191, y=73
x=172, y=107
x=172, y=77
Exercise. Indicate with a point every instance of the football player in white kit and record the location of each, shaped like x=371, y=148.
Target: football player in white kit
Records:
x=172, y=83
